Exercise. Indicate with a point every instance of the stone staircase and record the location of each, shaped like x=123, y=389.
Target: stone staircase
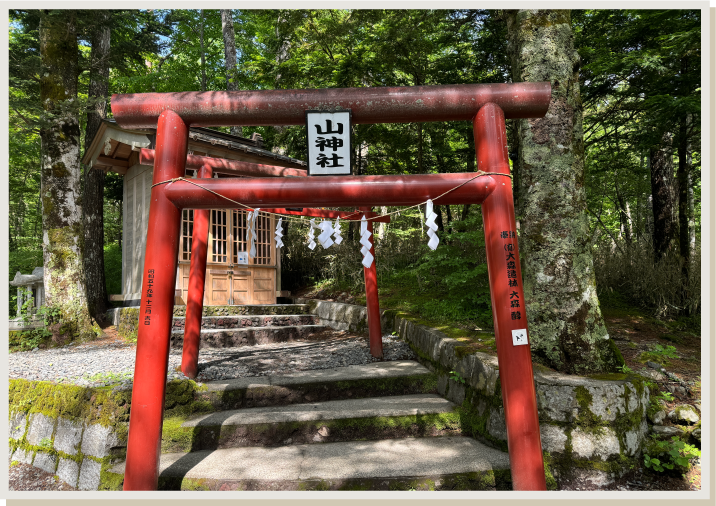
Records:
x=249, y=325
x=383, y=428
x=379, y=426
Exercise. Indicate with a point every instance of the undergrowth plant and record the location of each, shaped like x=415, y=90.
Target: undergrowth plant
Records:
x=668, y=455
x=630, y=271
x=659, y=354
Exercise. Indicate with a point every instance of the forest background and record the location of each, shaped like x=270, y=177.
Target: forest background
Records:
x=639, y=81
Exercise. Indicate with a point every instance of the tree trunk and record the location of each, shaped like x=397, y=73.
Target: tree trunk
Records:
x=684, y=182
x=60, y=181
x=662, y=198
x=203, y=56
x=93, y=199
x=227, y=28
x=420, y=148
x=566, y=325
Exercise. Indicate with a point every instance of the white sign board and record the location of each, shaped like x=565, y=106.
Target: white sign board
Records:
x=519, y=337
x=242, y=258
x=329, y=142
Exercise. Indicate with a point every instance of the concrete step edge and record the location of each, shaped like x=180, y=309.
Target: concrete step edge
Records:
x=393, y=406
x=267, y=327
x=376, y=370
x=387, y=458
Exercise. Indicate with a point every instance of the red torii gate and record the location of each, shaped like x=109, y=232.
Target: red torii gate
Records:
x=206, y=166
x=486, y=105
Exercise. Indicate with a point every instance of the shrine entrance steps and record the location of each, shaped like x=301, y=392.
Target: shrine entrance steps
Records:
x=235, y=326
x=379, y=426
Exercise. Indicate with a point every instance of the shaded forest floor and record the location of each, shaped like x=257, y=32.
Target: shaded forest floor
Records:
x=646, y=343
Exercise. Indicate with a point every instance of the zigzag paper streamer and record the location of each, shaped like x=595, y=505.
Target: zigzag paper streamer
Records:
x=365, y=241
x=251, y=231
x=432, y=226
x=325, y=236
x=337, y=232
x=311, y=234
x=279, y=233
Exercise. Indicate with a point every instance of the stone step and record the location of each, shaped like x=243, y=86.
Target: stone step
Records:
x=321, y=422
x=249, y=336
x=400, y=377
x=439, y=463
x=253, y=309
x=242, y=321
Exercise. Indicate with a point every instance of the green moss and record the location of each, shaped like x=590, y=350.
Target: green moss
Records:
x=71, y=402
x=612, y=376
x=110, y=481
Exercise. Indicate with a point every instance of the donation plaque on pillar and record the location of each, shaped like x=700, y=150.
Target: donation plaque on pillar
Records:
x=329, y=143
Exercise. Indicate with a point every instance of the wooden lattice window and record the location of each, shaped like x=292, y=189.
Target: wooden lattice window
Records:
x=228, y=238
x=263, y=240
x=187, y=232
x=219, y=233
x=239, y=233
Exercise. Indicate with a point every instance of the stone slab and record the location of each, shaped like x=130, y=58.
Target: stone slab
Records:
x=68, y=436
x=387, y=458
x=22, y=456
x=41, y=427
x=394, y=369
x=248, y=336
x=68, y=471
x=97, y=440
x=18, y=423
x=45, y=461
x=89, y=475
x=401, y=405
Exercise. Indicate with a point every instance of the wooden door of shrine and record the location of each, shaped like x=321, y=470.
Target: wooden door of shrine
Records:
x=229, y=282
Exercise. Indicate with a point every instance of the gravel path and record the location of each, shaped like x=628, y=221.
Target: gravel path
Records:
x=111, y=361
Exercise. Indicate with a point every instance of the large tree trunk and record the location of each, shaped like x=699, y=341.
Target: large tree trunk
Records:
x=663, y=201
x=227, y=28
x=93, y=200
x=60, y=186
x=566, y=325
x=203, y=55
x=684, y=183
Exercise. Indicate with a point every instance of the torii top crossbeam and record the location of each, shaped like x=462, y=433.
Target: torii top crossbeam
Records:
x=453, y=102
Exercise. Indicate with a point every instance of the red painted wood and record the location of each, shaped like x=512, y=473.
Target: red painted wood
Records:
x=195, y=295
x=370, y=275
x=515, y=362
x=156, y=311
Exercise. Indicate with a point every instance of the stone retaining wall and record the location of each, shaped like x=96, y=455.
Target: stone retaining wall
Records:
x=73, y=450
x=591, y=428
x=341, y=316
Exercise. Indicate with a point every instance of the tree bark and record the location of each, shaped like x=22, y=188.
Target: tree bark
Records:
x=566, y=325
x=93, y=199
x=684, y=184
x=227, y=28
x=60, y=180
x=662, y=195
x=203, y=56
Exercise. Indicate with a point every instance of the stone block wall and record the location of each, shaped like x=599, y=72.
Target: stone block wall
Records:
x=590, y=428
x=341, y=316
x=74, y=450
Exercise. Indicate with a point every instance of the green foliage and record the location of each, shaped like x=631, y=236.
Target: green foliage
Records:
x=662, y=455
x=663, y=396
x=659, y=354
x=113, y=268
x=455, y=376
